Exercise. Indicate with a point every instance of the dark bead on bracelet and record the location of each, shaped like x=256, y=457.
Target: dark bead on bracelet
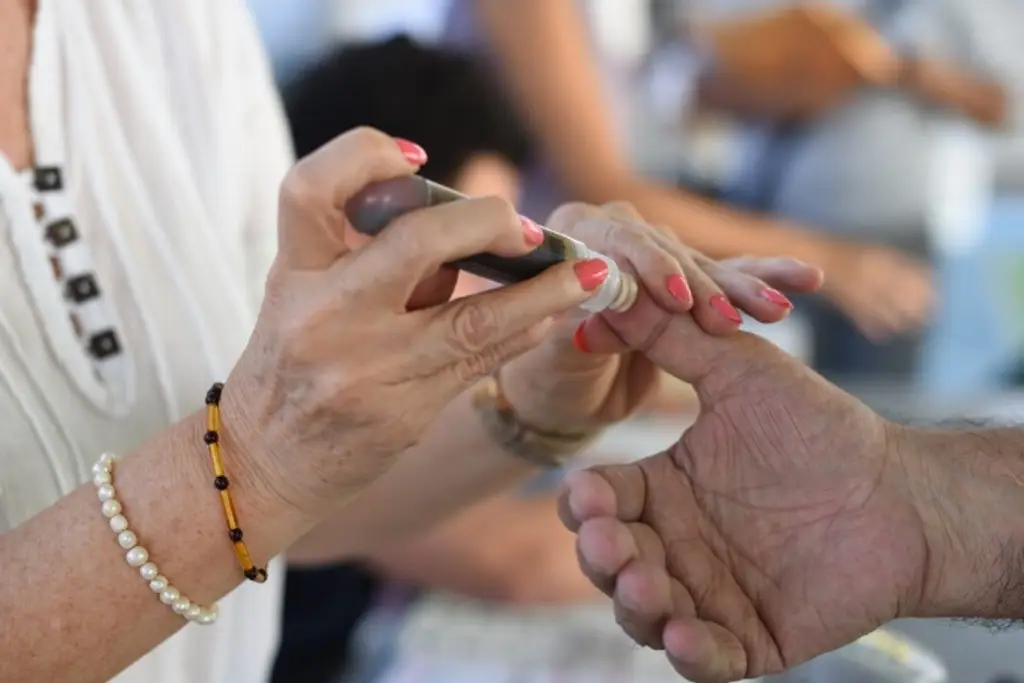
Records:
x=221, y=482
x=235, y=534
x=211, y=437
x=213, y=395
x=250, y=573
x=261, y=575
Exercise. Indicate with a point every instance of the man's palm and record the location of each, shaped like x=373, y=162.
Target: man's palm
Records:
x=739, y=535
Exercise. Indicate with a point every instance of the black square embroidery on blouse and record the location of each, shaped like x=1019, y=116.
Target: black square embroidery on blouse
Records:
x=61, y=233
x=48, y=179
x=82, y=288
x=104, y=344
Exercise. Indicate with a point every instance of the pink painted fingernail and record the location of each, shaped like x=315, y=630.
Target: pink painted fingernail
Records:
x=413, y=153
x=534, y=235
x=579, y=339
x=679, y=289
x=591, y=274
x=725, y=309
x=776, y=298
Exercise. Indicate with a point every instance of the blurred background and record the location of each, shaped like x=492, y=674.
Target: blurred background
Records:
x=880, y=139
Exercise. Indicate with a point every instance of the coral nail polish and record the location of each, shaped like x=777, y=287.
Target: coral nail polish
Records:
x=579, y=338
x=591, y=273
x=725, y=309
x=776, y=298
x=532, y=232
x=413, y=153
x=679, y=289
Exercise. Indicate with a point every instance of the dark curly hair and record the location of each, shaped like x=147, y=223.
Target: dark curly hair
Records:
x=441, y=99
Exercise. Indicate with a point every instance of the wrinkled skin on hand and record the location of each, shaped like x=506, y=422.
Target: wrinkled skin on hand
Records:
x=780, y=526
x=567, y=385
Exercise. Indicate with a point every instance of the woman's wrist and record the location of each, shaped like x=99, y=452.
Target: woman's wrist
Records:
x=267, y=496
x=268, y=529
x=542, y=446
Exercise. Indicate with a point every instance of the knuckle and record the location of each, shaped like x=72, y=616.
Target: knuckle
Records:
x=500, y=214
x=369, y=139
x=622, y=209
x=492, y=357
x=409, y=238
x=477, y=365
x=671, y=262
x=640, y=238
x=298, y=189
x=568, y=216
x=473, y=327
x=607, y=235
x=649, y=341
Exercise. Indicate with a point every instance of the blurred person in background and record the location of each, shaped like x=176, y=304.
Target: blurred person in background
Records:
x=843, y=135
x=144, y=154
x=543, y=51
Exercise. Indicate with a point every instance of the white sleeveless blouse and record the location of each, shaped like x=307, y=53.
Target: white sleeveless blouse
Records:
x=132, y=263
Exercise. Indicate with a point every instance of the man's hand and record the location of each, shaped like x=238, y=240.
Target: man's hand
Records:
x=779, y=527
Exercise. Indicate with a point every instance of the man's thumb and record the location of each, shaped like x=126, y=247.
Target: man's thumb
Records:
x=675, y=343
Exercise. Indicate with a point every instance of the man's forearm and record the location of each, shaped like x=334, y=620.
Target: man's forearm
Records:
x=969, y=488
x=455, y=464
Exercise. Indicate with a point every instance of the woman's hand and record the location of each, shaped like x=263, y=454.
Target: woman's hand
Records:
x=340, y=375
x=578, y=379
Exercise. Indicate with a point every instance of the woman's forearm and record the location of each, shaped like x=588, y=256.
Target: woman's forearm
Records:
x=65, y=579
x=457, y=463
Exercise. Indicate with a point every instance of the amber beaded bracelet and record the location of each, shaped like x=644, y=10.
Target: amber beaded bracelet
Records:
x=221, y=483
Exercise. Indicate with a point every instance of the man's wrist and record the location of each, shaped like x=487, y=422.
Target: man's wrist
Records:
x=967, y=486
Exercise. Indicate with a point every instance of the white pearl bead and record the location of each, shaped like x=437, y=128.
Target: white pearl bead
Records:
x=105, y=492
x=108, y=458
x=169, y=595
x=193, y=612
x=137, y=556
x=158, y=584
x=101, y=478
x=181, y=605
x=118, y=523
x=127, y=539
x=149, y=571
x=111, y=508
x=206, y=617
x=100, y=468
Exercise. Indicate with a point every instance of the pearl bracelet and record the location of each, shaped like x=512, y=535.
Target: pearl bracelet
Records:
x=137, y=556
